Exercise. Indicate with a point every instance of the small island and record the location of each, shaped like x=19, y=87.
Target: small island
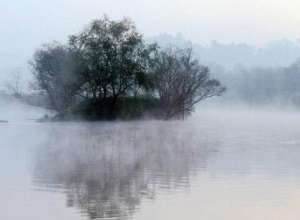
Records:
x=108, y=72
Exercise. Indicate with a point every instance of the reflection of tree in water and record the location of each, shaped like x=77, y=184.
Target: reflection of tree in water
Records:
x=107, y=169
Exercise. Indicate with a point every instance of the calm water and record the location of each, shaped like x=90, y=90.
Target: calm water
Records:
x=218, y=165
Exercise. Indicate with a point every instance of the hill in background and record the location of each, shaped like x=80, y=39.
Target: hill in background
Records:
x=274, y=54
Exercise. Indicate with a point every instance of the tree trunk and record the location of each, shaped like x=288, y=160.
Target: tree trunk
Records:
x=113, y=107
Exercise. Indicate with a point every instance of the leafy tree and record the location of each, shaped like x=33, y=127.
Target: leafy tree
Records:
x=55, y=67
x=115, y=60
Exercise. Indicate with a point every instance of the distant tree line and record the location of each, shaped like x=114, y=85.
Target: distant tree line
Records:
x=263, y=86
x=107, y=71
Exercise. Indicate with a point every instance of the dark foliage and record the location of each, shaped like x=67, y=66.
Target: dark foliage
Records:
x=115, y=61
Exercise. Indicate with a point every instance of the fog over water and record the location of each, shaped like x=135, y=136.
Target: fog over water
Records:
x=13, y=110
x=244, y=164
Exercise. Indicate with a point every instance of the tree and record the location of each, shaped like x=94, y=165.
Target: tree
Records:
x=181, y=82
x=115, y=60
x=15, y=85
x=55, y=69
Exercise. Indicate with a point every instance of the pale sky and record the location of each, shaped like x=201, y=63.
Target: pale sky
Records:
x=26, y=24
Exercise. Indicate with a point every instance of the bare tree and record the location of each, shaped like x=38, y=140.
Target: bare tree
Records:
x=15, y=84
x=181, y=82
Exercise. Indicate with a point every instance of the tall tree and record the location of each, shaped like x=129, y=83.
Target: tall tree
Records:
x=115, y=59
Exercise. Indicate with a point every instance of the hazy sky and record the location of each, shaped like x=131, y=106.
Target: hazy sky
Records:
x=26, y=24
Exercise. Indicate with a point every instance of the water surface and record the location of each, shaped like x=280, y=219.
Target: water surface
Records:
x=216, y=165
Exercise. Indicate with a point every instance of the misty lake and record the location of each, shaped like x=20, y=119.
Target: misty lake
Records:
x=215, y=165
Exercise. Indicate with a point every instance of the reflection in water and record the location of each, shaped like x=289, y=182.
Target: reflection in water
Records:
x=221, y=165
x=106, y=170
